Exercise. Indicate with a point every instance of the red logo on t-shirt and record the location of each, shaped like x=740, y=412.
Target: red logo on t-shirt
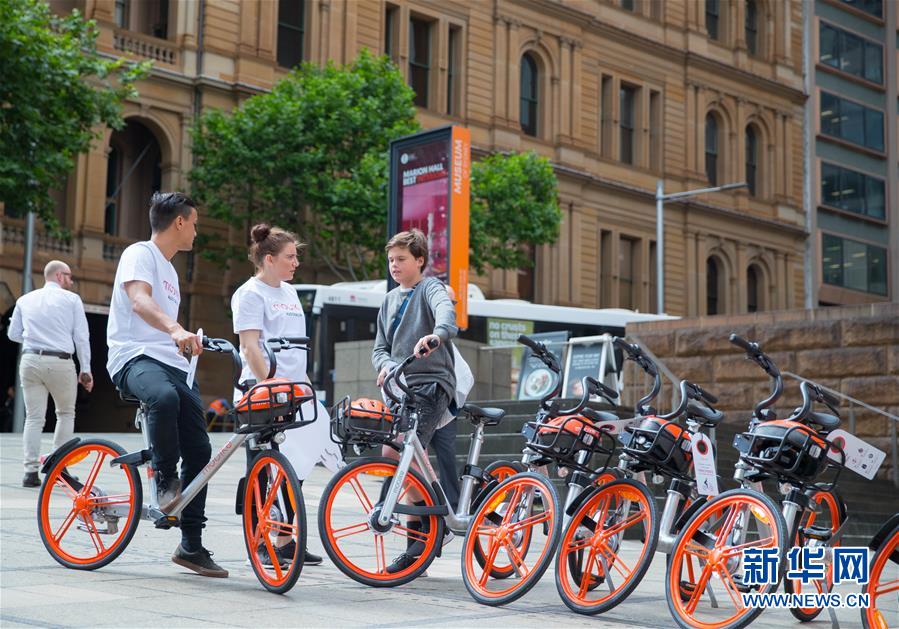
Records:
x=280, y=307
x=172, y=290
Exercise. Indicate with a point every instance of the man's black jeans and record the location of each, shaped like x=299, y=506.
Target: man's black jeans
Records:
x=176, y=426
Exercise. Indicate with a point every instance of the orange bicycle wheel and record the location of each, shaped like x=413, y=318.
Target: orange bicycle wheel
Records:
x=516, y=509
x=88, y=510
x=607, y=547
x=576, y=559
x=715, y=537
x=274, y=516
x=883, y=586
x=832, y=515
x=500, y=471
x=357, y=544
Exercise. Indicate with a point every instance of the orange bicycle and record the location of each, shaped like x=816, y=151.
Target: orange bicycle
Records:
x=883, y=582
x=92, y=500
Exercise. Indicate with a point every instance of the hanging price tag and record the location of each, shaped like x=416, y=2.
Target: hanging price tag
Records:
x=704, y=465
x=861, y=457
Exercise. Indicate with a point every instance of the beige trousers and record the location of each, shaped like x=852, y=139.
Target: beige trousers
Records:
x=41, y=375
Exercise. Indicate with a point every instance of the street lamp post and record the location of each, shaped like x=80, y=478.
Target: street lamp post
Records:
x=661, y=197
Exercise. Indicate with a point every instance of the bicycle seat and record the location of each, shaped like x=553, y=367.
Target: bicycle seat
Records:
x=599, y=416
x=827, y=422
x=708, y=416
x=128, y=398
x=486, y=416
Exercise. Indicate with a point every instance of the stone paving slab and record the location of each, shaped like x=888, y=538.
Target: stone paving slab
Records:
x=142, y=588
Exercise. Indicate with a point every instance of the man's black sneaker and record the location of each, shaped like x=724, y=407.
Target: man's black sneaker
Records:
x=200, y=562
x=401, y=563
x=311, y=560
x=168, y=492
x=31, y=480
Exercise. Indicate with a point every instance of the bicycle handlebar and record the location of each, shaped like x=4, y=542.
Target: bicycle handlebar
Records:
x=690, y=391
x=635, y=353
x=549, y=359
x=398, y=371
x=591, y=387
x=754, y=353
x=225, y=346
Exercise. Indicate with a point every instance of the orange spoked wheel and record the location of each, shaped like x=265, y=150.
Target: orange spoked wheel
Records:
x=357, y=544
x=883, y=586
x=576, y=559
x=607, y=547
x=715, y=538
x=274, y=521
x=88, y=510
x=831, y=517
x=517, y=524
x=500, y=471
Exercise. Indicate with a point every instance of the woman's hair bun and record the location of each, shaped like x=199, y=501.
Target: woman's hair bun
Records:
x=260, y=232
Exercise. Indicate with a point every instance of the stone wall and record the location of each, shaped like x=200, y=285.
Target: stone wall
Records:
x=853, y=350
x=354, y=375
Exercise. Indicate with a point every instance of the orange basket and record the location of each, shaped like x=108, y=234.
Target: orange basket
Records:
x=276, y=401
x=363, y=421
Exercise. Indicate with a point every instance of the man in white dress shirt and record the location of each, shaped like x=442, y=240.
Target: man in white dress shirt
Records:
x=51, y=326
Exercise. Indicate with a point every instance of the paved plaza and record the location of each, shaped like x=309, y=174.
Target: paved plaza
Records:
x=144, y=589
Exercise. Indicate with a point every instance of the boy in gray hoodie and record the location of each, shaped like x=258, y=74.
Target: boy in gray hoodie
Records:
x=414, y=314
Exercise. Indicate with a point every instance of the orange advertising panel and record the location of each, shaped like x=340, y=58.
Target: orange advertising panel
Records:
x=429, y=190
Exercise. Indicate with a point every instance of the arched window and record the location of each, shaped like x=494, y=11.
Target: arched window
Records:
x=711, y=148
x=712, y=15
x=712, y=304
x=752, y=154
x=133, y=174
x=529, y=95
x=753, y=281
x=752, y=27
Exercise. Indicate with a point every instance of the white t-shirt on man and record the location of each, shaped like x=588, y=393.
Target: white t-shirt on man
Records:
x=127, y=334
x=275, y=312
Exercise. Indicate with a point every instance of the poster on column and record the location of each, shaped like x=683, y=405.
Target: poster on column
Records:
x=429, y=191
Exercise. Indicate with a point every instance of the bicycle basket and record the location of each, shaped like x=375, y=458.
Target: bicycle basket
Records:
x=562, y=438
x=787, y=449
x=659, y=445
x=362, y=421
x=273, y=401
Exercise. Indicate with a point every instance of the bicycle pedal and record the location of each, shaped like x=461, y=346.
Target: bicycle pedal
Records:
x=820, y=533
x=167, y=522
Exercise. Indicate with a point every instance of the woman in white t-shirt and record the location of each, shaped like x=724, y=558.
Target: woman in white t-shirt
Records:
x=266, y=306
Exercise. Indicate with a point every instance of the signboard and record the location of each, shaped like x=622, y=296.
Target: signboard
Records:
x=583, y=360
x=536, y=380
x=429, y=190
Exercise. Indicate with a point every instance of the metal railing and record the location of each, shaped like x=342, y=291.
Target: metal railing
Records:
x=853, y=403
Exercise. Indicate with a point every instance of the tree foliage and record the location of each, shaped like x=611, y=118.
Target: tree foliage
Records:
x=55, y=93
x=513, y=205
x=310, y=156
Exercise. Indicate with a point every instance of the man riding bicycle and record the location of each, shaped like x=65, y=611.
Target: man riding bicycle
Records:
x=147, y=349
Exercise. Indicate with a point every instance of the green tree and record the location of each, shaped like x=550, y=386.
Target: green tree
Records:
x=514, y=204
x=310, y=156
x=55, y=93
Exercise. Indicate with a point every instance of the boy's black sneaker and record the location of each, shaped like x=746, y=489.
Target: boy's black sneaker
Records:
x=401, y=563
x=31, y=479
x=200, y=562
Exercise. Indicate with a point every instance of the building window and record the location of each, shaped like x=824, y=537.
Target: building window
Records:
x=752, y=289
x=852, y=191
x=712, y=284
x=751, y=159
x=628, y=5
x=874, y=7
x=851, y=54
x=391, y=15
x=852, y=264
x=655, y=130
x=711, y=149
x=852, y=122
x=122, y=13
x=626, y=117
x=627, y=248
x=291, y=23
x=452, y=70
x=606, y=120
x=419, y=59
x=712, y=13
x=529, y=95
x=752, y=27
